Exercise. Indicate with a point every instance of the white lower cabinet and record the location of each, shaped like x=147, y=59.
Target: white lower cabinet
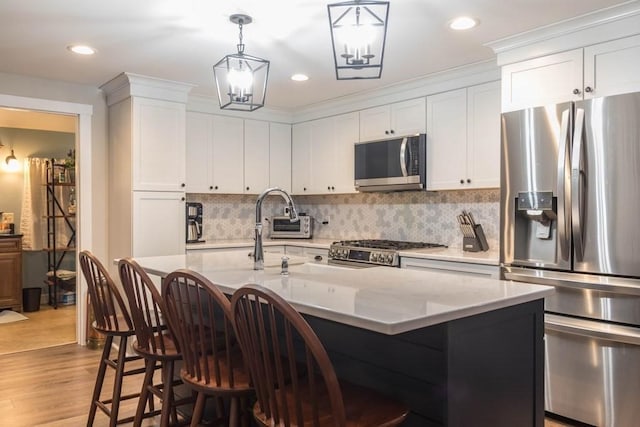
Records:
x=466, y=268
x=158, y=223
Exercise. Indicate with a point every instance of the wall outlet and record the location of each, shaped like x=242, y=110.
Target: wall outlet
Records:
x=286, y=211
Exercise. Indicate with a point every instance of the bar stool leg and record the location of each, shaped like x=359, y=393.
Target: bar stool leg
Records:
x=167, y=394
x=106, y=351
x=117, y=385
x=145, y=394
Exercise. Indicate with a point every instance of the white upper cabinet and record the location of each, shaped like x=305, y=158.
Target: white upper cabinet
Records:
x=398, y=119
x=599, y=70
x=199, y=153
x=280, y=156
x=256, y=156
x=228, y=155
x=158, y=148
x=322, y=155
x=463, y=138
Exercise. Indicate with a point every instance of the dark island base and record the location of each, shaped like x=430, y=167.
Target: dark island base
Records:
x=483, y=370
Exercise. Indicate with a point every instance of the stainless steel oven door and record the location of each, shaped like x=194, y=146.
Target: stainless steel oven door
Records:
x=592, y=371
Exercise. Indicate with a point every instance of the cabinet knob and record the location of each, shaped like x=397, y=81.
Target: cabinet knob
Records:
x=468, y=181
x=392, y=131
x=304, y=189
x=247, y=188
x=588, y=89
x=182, y=199
x=328, y=187
x=333, y=188
x=215, y=188
x=386, y=132
x=462, y=181
x=318, y=258
x=576, y=91
x=182, y=185
x=211, y=187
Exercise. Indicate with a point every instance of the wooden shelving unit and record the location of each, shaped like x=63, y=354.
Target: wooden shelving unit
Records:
x=56, y=217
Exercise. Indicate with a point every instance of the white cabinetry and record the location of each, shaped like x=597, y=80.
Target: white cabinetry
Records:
x=199, y=153
x=228, y=155
x=463, y=138
x=322, y=155
x=398, y=119
x=465, y=268
x=280, y=156
x=256, y=156
x=146, y=166
x=599, y=70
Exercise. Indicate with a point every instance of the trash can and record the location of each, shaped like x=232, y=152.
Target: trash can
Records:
x=31, y=299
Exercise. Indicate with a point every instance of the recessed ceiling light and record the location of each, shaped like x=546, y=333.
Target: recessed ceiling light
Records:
x=463, y=23
x=81, y=49
x=299, y=77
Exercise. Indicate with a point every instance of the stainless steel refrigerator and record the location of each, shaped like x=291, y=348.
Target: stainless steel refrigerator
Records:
x=570, y=217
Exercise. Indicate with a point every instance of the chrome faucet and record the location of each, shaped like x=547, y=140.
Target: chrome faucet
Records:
x=258, y=253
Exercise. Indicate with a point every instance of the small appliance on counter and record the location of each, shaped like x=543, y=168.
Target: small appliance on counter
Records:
x=473, y=239
x=194, y=222
x=281, y=227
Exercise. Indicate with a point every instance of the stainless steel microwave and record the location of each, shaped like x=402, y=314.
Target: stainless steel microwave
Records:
x=281, y=227
x=392, y=164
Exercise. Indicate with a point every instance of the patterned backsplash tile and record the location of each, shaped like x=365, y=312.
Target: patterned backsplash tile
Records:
x=410, y=215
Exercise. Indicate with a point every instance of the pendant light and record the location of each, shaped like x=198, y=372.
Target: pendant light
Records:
x=241, y=79
x=358, y=34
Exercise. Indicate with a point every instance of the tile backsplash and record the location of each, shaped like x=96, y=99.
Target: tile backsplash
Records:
x=410, y=215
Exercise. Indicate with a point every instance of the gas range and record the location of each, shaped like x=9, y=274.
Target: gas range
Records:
x=371, y=252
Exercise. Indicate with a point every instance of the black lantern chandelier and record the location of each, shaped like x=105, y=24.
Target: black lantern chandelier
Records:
x=358, y=34
x=241, y=79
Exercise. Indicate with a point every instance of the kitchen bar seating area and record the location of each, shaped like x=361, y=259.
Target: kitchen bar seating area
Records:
x=233, y=339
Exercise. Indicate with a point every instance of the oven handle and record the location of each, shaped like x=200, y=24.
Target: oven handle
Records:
x=591, y=329
x=574, y=280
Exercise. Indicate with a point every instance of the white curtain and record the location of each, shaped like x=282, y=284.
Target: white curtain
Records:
x=33, y=223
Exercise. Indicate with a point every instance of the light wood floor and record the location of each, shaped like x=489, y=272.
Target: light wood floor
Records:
x=52, y=387
x=44, y=328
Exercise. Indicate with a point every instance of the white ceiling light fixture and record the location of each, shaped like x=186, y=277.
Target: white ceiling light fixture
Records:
x=463, y=23
x=299, y=77
x=358, y=34
x=81, y=49
x=241, y=79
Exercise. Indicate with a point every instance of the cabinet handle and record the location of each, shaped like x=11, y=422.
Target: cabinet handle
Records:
x=182, y=185
x=468, y=181
x=588, y=89
x=576, y=91
x=462, y=181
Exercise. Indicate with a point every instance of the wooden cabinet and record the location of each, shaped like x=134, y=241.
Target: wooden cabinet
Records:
x=322, y=155
x=599, y=70
x=463, y=138
x=11, y=272
x=398, y=119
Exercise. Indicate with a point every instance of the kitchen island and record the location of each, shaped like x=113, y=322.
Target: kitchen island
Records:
x=458, y=350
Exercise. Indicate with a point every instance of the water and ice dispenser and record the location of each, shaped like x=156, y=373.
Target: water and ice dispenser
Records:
x=536, y=227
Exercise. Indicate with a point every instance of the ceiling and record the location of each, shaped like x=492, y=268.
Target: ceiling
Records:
x=181, y=39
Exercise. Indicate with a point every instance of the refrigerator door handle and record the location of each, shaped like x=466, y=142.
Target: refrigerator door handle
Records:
x=577, y=198
x=564, y=196
x=590, y=329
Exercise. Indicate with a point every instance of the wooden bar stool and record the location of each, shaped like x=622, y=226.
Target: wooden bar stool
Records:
x=200, y=317
x=113, y=321
x=270, y=329
x=154, y=342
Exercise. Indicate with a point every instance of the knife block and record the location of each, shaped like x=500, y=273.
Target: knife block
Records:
x=477, y=243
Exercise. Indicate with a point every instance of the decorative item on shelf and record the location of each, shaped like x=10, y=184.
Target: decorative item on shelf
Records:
x=72, y=201
x=473, y=239
x=241, y=79
x=70, y=166
x=358, y=35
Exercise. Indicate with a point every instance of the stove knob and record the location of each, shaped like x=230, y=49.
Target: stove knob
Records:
x=389, y=259
x=374, y=257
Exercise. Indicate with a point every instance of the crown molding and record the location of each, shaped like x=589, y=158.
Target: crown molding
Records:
x=606, y=24
x=126, y=84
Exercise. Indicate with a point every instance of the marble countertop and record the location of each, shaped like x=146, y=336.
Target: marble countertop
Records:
x=380, y=299
x=490, y=257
